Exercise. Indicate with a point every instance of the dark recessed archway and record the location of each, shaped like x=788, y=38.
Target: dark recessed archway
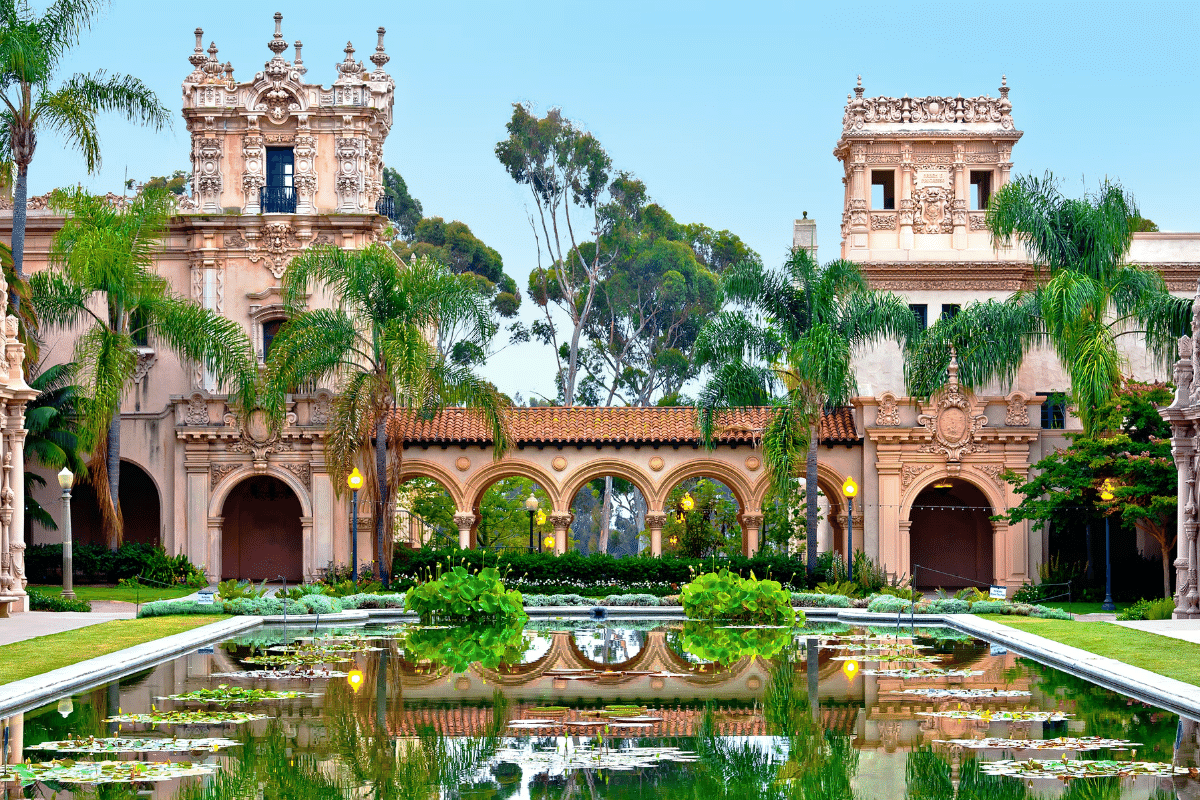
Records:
x=951, y=536
x=140, y=509
x=262, y=537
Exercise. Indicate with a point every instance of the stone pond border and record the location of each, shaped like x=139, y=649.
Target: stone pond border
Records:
x=1167, y=693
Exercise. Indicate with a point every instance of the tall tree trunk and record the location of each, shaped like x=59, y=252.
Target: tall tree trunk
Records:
x=20, y=214
x=381, y=488
x=1166, y=559
x=113, y=465
x=810, y=499
x=606, y=514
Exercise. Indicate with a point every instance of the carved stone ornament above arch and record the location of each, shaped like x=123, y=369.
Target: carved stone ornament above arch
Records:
x=1017, y=413
x=888, y=415
x=953, y=420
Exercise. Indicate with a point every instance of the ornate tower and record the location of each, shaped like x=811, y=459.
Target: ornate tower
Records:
x=918, y=174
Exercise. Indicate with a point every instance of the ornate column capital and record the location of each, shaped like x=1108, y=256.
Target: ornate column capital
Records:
x=561, y=520
x=464, y=520
x=656, y=520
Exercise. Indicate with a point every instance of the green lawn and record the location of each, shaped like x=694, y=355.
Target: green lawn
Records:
x=1173, y=658
x=1084, y=608
x=144, y=594
x=35, y=656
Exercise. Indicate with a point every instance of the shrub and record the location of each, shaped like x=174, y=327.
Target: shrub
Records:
x=43, y=601
x=944, y=605
x=670, y=600
x=167, y=608
x=844, y=588
x=727, y=645
x=630, y=600
x=236, y=590
x=368, y=600
x=1049, y=613
x=888, y=604
x=990, y=607
x=474, y=643
x=1149, y=609
x=820, y=600
x=462, y=595
x=95, y=563
x=726, y=596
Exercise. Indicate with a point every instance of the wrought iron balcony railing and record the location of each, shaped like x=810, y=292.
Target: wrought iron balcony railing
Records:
x=277, y=199
x=386, y=206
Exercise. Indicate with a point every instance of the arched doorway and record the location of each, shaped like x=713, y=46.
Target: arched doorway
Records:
x=140, y=509
x=951, y=536
x=262, y=537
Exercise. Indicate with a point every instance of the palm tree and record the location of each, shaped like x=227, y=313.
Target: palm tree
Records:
x=375, y=344
x=31, y=50
x=52, y=422
x=1084, y=299
x=800, y=362
x=102, y=286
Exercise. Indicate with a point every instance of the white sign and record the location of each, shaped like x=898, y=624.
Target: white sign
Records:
x=997, y=650
x=205, y=598
x=998, y=593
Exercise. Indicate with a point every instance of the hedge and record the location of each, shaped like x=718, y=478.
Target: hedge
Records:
x=94, y=563
x=271, y=606
x=44, y=601
x=597, y=568
x=814, y=600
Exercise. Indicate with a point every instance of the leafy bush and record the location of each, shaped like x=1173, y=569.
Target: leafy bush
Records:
x=304, y=590
x=463, y=645
x=727, y=645
x=373, y=601
x=236, y=590
x=844, y=588
x=814, y=600
x=545, y=600
x=906, y=592
x=462, y=595
x=726, y=596
x=630, y=600
x=944, y=605
x=574, y=569
x=670, y=600
x=1149, y=609
x=972, y=595
x=990, y=607
x=43, y=601
x=888, y=604
x=1049, y=613
x=168, y=608
x=94, y=563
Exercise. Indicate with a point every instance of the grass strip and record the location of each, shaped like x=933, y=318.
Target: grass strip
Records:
x=127, y=594
x=44, y=653
x=1173, y=658
x=1084, y=608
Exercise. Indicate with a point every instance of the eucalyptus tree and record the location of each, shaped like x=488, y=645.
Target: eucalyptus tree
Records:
x=32, y=49
x=102, y=288
x=375, y=343
x=1085, y=297
x=797, y=357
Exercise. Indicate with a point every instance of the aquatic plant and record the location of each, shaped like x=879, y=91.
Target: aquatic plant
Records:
x=1078, y=744
x=458, y=594
x=998, y=716
x=725, y=645
x=70, y=771
x=1068, y=769
x=460, y=647
x=93, y=744
x=189, y=717
x=226, y=695
x=727, y=596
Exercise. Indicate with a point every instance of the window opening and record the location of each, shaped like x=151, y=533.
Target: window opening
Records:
x=139, y=331
x=981, y=190
x=950, y=310
x=1054, y=411
x=270, y=329
x=883, y=189
x=279, y=195
x=921, y=312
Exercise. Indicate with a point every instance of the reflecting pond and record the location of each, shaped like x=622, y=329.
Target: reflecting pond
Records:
x=625, y=709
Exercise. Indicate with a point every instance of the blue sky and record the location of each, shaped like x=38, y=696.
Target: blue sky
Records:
x=729, y=112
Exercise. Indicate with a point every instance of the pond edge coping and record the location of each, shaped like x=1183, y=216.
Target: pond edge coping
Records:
x=1142, y=684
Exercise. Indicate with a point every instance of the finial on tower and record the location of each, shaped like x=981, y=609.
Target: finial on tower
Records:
x=858, y=89
x=1004, y=86
x=379, y=58
x=299, y=62
x=277, y=45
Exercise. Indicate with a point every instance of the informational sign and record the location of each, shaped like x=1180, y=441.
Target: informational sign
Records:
x=998, y=593
x=997, y=650
x=205, y=650
x=205, y=598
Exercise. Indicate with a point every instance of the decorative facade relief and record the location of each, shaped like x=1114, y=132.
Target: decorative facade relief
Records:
x=952, y=422
x=302, y=471
x=911, y=472
x=993, y=471
x=863, y=111
x=219, y=470
x=1016, y=415
x=279, y=245
x=931, y=209
x=889, y=411
x=1184, y=416
x=883, y=222
x=196, y=412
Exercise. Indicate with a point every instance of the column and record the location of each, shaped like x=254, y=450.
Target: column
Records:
x=16, y=446
x=464, y=520
x=324, y=510
x=893, y=542
x=561, y=520
x=308, y=560
x=904, y=197
x=751, y=525
x=215, y=528
x=196, y=500
x=958, y=206
x=654, y=523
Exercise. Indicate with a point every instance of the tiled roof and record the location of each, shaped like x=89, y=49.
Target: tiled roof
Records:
x=609, y=424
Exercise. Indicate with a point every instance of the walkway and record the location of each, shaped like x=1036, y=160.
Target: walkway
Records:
x=31, y=624
x=1186, y=629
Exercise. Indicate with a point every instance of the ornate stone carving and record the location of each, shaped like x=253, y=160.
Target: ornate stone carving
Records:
x=656, y=464
x=656, y=520
x=751, y=519
x=561, y=520
x=958, y=212
x=464, y=520
x=753, y=463
x=462, y=464
x=1017, y=413
x=883, y=222
x=932, y=210
x=322, y=409
x=888, y=415
x=219, y=470
x=953, y=423
x=858, y=212
x=235, y=239
x=257, y=439
x=302, y=471
x=992, y=471
x=146, y=358
x=910, y=472
x=196, y=412
x=862, y=111
x=559, y=463
x=978, y=222
x=279, y=245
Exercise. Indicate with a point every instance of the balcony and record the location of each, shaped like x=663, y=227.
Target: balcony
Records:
x=386, y=206
x=277, y=199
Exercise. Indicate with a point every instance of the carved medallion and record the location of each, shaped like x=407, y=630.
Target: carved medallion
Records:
x=656, y=464
x=752, y=463
x=952, y=424
x=559, y=464
x=462, y=464
x=888, y=415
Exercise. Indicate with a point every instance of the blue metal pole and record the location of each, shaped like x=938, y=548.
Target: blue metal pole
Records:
x=1108, y=601
x=354, y=533
x=850, y=540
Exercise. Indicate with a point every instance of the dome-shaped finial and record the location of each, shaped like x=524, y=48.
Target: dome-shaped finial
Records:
x=379, y=57
x=197, y=58
x=299, y=62
x=277, y=45
x=805, y=214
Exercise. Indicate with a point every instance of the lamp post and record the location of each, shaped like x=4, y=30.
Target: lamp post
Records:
x=355, y=482
x=66, y=479
x=849, y=490
x=531, y=505
x=1106, y=494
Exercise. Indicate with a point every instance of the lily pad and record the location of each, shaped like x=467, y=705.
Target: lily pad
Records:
x=189, y=718
x=69, y=771
x=999, y=716
x=931, y=672
x=559, y=761
x=966, y=694
x=1069, y=769
x=227, y=695
x=1078, y=744
x=300, y=673
x=92, y=744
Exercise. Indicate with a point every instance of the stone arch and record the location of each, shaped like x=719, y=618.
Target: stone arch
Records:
x=419, y=468
x=952, y=547
x=264, y=536
x=494, y=471
x=217, y=498
x=726, y=473
x=829, y=481
x=602, y=468
x=143, y=519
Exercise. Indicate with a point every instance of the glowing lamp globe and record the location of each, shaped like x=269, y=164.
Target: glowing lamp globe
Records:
x=66, y=479
x=849, y=488
x=1106, y=490
x=531, y=502
x=355, y=679
x=355, y=480
x=687, y=503
x=548, y=542
x=850, y=669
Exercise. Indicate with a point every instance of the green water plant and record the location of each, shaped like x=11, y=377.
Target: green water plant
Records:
x=70, y=771
x=93, y=744
x=225, y=694
x=725, y=645
x=188, y=718
x=727, y=596
x=461, y=595
x=488, y=645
